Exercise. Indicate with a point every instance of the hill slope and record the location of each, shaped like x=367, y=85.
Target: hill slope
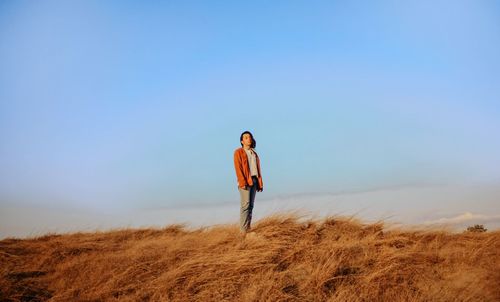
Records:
x=289, y=259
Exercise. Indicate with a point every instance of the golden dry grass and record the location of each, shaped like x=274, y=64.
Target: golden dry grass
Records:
x=289, y=259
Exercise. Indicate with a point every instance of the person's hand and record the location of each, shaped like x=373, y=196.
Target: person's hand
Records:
x=244, y=188
x=260, y=190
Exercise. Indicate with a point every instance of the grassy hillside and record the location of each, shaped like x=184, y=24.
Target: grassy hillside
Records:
x=288, y=259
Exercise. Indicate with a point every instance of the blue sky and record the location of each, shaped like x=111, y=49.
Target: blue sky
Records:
x=121, y=104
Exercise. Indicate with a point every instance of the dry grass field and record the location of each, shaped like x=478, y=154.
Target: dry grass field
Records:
x=286, y=259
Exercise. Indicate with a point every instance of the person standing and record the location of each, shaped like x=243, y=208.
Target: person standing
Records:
x=249, y=178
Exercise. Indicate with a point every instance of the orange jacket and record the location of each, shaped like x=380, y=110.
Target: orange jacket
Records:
x=242, y=168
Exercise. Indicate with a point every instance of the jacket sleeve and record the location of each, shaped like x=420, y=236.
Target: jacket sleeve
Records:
x=260, y=173
x=239, y=170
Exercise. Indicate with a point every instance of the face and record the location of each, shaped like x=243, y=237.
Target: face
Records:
x=247, y=140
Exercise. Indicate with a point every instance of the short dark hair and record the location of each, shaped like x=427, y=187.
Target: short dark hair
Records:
x=254, y=143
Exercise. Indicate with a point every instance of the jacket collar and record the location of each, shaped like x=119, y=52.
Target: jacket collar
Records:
x=243, y=151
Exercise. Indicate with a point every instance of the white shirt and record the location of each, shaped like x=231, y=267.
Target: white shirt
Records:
x=252, y=162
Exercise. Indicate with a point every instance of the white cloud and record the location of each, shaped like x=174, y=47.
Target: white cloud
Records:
x=466, y=217
x=413, y=205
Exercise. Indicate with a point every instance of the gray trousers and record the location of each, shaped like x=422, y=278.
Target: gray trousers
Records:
x=247, y=198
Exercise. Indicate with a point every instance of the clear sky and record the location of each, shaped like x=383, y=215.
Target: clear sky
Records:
x=140, y=104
